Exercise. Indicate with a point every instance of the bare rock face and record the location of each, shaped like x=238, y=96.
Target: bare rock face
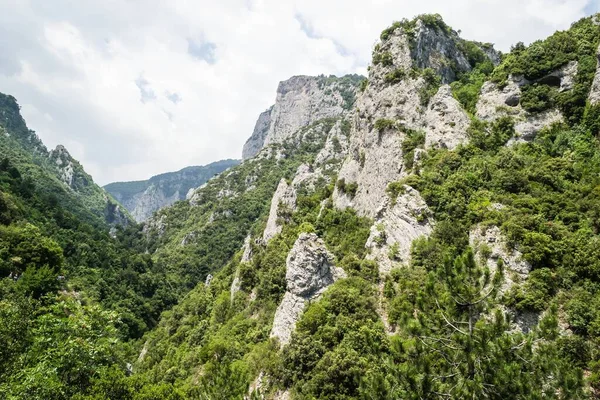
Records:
x=395, y=228
x=490, y=246
x=142, y=205
x=434, y=48
x=446, y=122
x=527, y=128
x=309, y=271
x=394, y=93
x=565, y=75
x=594, y=97
x=64, y=164
x=301, y=100
x=256, y=142
x=336, y=146
x=494, y=103
x=285, y=196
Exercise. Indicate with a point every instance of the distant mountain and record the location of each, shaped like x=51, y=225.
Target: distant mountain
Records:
x=54, y=173
x=142, y=198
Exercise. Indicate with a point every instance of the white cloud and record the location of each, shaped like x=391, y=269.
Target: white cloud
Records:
x=142, y=87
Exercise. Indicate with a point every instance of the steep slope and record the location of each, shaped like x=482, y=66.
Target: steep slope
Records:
x=301, y=100
x=55, y=170
x=142, y=198
x=437, y=238
x=428, y=172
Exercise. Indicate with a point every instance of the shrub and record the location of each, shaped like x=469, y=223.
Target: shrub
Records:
x=383, y=124
x=384, y=58
x=396, y=76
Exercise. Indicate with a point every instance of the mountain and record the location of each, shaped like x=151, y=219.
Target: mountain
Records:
x=300, y=101
x=56, y=172
x=142, y=198
x=435, y=235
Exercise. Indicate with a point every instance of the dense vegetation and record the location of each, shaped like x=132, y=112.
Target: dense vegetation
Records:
x=143, y=314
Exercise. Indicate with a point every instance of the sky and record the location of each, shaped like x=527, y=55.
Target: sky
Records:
x=134, y=88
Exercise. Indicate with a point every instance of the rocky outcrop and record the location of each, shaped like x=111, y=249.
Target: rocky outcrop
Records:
x=301, y=100
x=446, y=122
x=396, y=226
x=284, y=200
x=439, y=49
x=309, y=271
x=495, y=102
x=397, y=95
x=143, y=198
x=336, y=145
x=490, y=246
x=236, y=284
x=594, y=97
x=64, y=163
x=527, y=127
x=563, y=77
x=256, y=142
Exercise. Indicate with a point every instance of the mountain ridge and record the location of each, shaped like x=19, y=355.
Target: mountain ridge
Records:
x=436, y=238
x=142, y=198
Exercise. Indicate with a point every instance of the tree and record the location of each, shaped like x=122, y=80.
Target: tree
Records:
x=459, y=344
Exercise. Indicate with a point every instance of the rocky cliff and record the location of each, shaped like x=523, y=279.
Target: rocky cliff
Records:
x=75, y=183
x=300, y=101
x=142, y=198
x=349, y=224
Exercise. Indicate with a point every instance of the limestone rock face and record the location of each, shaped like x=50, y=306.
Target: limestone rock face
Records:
x=566, y=76
x=526, y=129
x=336, y=146
x=143, y=198
x=256, y=142
x=64, y=163
x=309, y=271
x=491, y=242
x=490, y=246
x=594, y=96
x=301, y=100
x=285, y=196
x=434, y=48
x=494, y=103
x=395, y=228
x=375, y=156
x=446, y=122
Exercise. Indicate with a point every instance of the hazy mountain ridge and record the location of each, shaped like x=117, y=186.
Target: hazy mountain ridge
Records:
x=142, y=198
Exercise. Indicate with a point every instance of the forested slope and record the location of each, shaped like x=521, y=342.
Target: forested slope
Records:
x=434, y=235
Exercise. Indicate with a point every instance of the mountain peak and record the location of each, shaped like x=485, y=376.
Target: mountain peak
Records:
x=427, y=42
x=302, y=100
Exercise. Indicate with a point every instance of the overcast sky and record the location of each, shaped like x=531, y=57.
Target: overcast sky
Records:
x=134, y=88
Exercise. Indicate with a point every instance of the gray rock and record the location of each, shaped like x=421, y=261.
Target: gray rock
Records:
x=309, y=271
x=396, y=226
x=446, y=122
x=301, y=100
x=284, y=196
x=143, y=198
x=527, y=127
x=64, y=164
x=375, y=158
x=490, y=241
x=594, y=97
x=439, y=50
x=256, y=142
x=494, y=103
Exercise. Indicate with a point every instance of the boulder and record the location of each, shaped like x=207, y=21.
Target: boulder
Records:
x=309, y=271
